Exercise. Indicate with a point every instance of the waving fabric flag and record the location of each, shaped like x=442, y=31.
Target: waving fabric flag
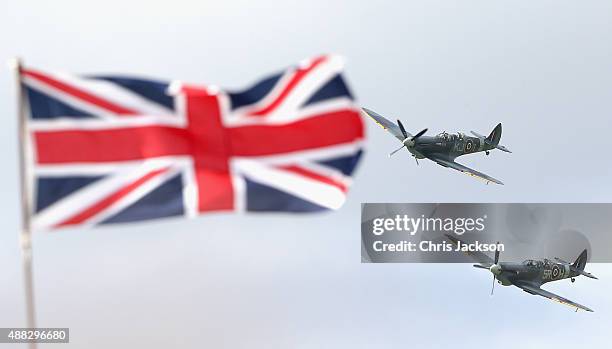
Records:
x=111, y=149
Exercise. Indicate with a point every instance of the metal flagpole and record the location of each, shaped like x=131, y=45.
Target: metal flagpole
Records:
x=25, y=236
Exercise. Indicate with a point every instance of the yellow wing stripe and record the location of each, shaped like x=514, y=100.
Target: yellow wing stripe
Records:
x=376, y=121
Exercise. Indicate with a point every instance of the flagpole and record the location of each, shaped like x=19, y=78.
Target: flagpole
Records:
x=25, y=237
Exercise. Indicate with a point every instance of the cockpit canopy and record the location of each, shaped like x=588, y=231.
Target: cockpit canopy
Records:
x=448, y=137
x=533, y=263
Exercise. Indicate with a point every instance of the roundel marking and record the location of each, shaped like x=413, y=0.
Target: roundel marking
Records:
x=468, y=145
x=555, y=271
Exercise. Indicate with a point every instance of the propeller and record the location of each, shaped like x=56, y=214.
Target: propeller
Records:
x=493, y=287
x=396, y=150
x=399, y=123
x=495, y=268
x=418, y=134
x=408, y=141
x=497, y=254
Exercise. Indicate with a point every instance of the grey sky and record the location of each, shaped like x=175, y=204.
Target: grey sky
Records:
x=542, y=68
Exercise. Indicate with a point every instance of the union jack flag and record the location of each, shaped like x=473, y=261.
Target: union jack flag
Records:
x=112, y=149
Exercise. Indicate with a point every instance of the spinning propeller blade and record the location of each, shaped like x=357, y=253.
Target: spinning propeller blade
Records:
x=495, y=261
x=497, y=254
x=399, y=123
x=406, y=135
x=418, y=134
x=395, y=151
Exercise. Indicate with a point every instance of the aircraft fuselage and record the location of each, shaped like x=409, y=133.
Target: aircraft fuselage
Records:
x=539, y=271
x=448, y=145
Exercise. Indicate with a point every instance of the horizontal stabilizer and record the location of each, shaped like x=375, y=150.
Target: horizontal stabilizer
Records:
x=490, y=143
x=589, y=275
x=578, y=266
x=479, y=135
x=502, y=148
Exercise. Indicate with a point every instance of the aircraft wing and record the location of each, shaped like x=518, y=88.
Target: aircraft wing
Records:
x=478, y=256
x=464, y=169
x=540, y=292
x=388, y=125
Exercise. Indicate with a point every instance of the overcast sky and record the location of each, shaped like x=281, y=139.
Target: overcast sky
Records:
x=542, y=68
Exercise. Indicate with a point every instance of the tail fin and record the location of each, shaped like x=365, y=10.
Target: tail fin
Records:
x=495, y=136
x=581, y=261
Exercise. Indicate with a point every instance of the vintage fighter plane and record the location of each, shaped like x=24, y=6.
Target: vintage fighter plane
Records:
x=445, y=147
x=532, y=273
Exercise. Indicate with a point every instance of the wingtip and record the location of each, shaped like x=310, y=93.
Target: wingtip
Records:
x=370, y=113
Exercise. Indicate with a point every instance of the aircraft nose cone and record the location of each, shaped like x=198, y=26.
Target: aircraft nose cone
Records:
x=495, y=269
x=408, y=142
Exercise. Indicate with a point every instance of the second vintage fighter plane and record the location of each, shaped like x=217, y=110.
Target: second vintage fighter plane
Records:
x=529, y=275
x=445, y=147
